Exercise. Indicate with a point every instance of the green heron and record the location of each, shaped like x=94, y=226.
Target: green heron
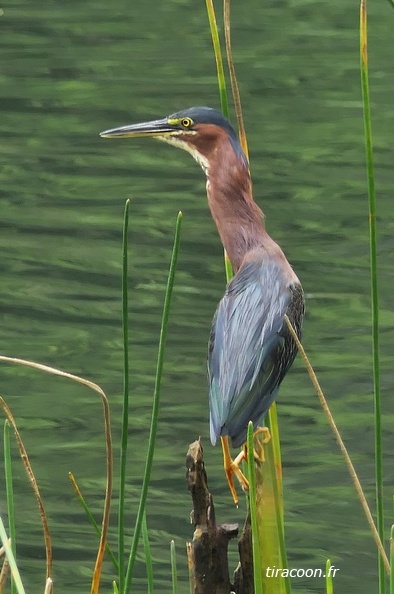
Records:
x=250, y=346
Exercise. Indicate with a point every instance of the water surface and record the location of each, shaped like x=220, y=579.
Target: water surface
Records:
x=69, y=70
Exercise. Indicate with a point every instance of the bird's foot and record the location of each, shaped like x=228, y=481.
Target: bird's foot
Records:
x=234, y=470
x=231, y=468
x=258, y=452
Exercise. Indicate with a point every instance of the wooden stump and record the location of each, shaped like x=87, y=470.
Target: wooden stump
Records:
x=207, y=553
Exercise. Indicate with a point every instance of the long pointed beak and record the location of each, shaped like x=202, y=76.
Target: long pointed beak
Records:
x=154, y=128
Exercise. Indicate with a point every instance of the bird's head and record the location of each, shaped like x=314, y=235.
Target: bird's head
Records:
x=198, y=130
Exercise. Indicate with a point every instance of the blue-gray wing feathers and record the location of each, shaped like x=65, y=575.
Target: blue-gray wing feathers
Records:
x=245, y=360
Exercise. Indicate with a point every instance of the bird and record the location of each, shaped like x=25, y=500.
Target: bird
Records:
x=250, y=347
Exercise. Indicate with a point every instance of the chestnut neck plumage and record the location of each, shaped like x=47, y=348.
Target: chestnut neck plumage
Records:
x=239, y=220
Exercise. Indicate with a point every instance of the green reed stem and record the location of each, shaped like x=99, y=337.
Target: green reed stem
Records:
x=329, y=580
x=258, y=582
x=11, y=559
x=155, y=408
x=228, y=267
x=91, y=519
x=218, y=58
x=9, y=494
x=125, y=411
x=374, y=282
x=174, y=572
x=233, y=79
x=148, y=555
x=222, y=92
x=275, y=462
x=392, y=560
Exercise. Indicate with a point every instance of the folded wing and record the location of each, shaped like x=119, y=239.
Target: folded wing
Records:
x=249, y=349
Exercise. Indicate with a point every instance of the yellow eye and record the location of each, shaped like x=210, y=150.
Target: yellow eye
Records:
x=186, y=122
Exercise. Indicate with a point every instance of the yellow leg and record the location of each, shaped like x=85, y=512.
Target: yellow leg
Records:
x=231, y=468
x=243, y=455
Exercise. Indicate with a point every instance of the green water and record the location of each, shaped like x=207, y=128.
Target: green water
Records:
x=69, y=70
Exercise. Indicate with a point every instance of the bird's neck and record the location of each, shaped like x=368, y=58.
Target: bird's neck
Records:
x=239, y=220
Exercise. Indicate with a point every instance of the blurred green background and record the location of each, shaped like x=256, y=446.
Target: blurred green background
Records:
x=71, y=69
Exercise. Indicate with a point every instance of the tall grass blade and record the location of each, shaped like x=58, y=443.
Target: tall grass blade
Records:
x=257, y=569
x=155, y=408
x=24, y=457
x=218, y=58
x=48, y=586
x=228, y=267
x=32, y=480
x=392, y=560
x=4, y=570
x=277, y=457
x=269, y=525
x=233, y=79
x=9, y=494
x=148, y=555
x=222, y=92
x=174, y=572
x=329, y=580
x=374, y=282
x=125, y=411
x=91, y=519
x=271, y=517
x=11, y=559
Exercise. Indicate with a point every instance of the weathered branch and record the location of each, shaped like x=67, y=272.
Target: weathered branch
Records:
x=208, y=561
